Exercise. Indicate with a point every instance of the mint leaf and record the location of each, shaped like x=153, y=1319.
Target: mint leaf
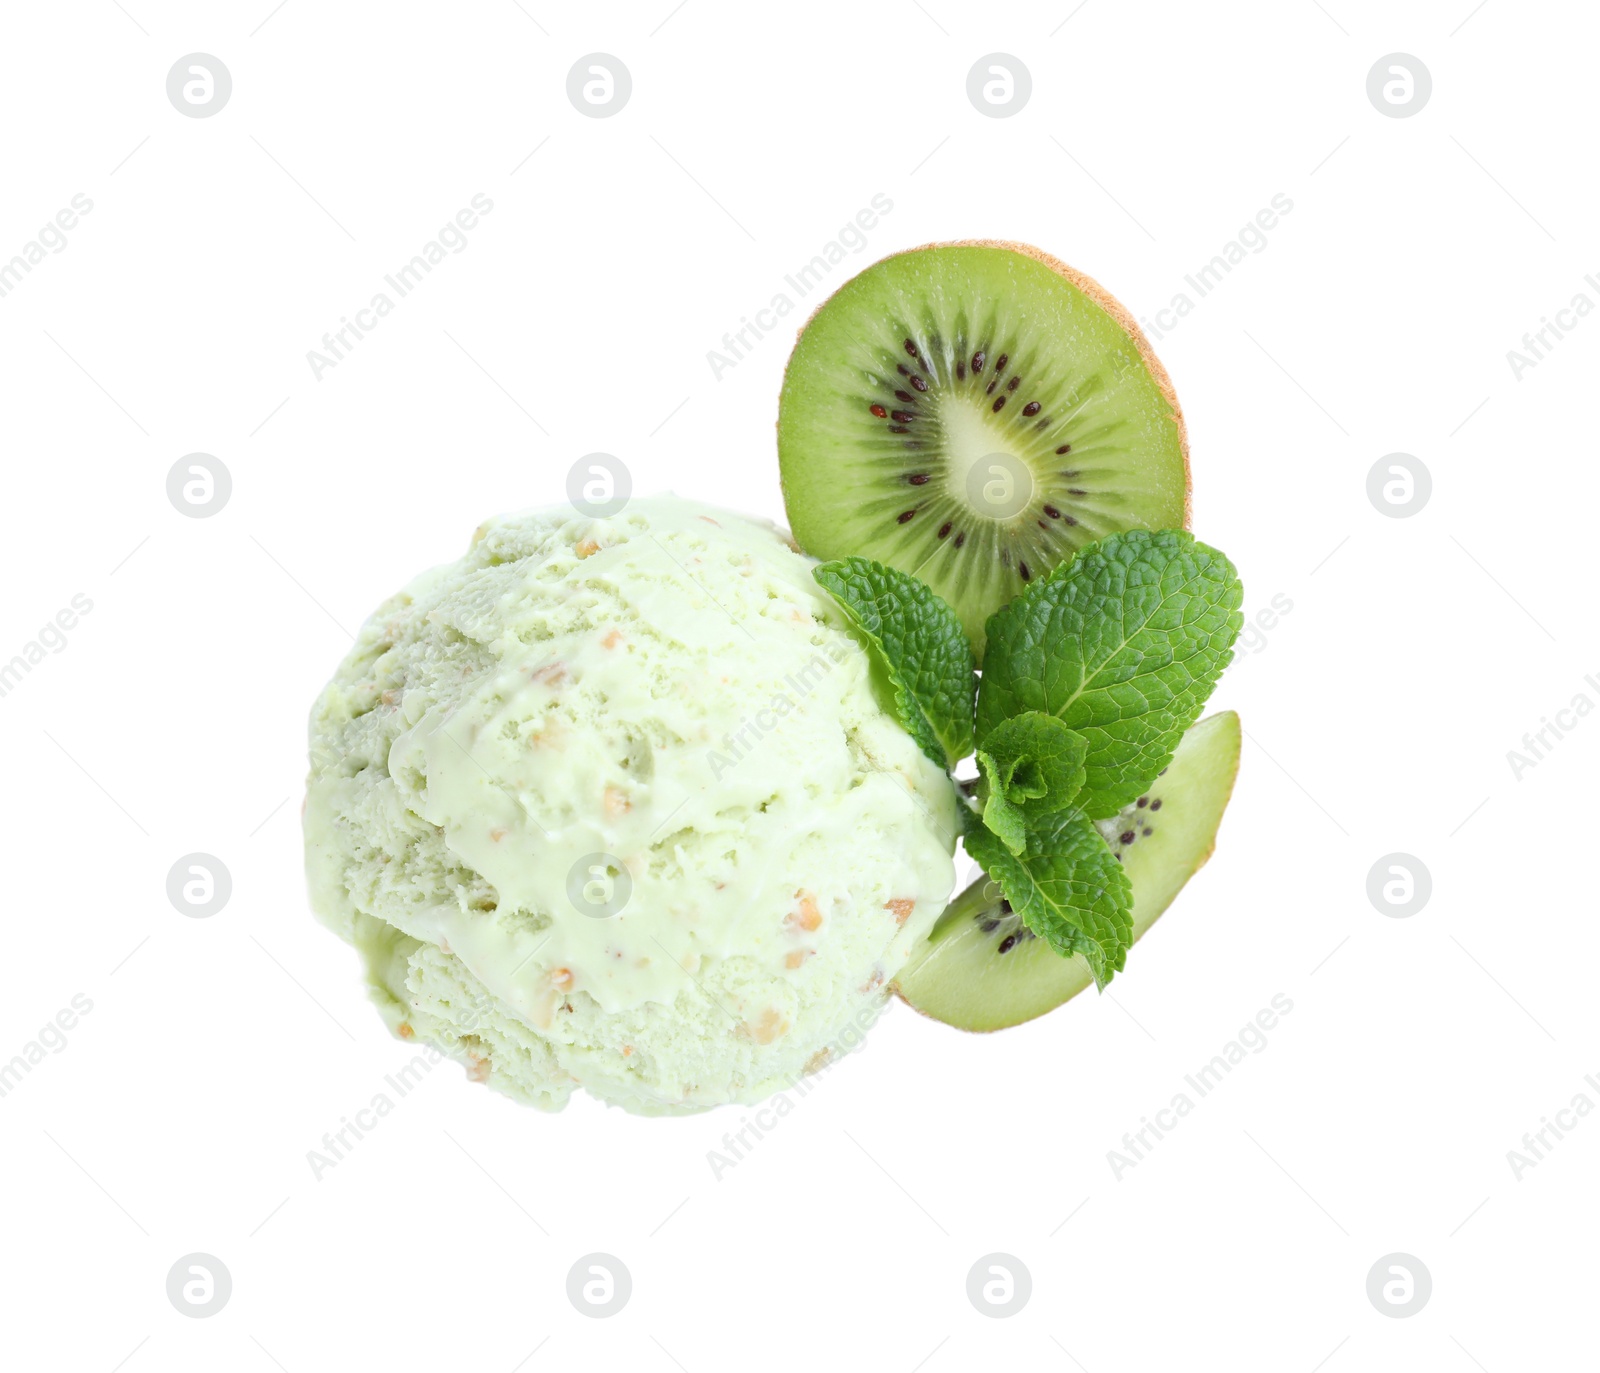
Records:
x=1067, y=887
x=1032, y=765
x=1038, y=760
x=1123, y=645
x=1000, y=813
x=921, y=643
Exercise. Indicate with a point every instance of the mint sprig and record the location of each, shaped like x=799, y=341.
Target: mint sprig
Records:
x=921, y=646
x=1123, y=645
x=1090, y=678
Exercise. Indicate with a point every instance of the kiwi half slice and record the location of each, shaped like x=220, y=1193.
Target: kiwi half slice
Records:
x=974, y=413
x=982, y=969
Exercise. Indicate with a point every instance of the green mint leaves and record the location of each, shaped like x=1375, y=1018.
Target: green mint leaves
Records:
x=1090, y=678
x=1032, y=765
x=1067, y=887
x=1122, y=645
x=921, y=645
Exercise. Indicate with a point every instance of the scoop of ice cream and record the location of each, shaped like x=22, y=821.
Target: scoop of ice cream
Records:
x=614, y=803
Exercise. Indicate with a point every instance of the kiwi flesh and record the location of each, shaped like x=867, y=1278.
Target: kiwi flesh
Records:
x=982, y=969
x=974, y=413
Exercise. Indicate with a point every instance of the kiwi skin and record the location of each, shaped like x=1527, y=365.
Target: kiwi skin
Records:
x=949, y=979
x=1101, y=297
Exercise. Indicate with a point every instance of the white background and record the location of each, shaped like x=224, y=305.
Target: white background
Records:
x=1379, y=710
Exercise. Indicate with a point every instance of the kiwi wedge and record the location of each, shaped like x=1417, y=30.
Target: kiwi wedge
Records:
x=982, y=969
x=974, y=413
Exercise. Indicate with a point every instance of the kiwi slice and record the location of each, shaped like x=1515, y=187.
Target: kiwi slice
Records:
x=974, y=413
x=982, y=969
